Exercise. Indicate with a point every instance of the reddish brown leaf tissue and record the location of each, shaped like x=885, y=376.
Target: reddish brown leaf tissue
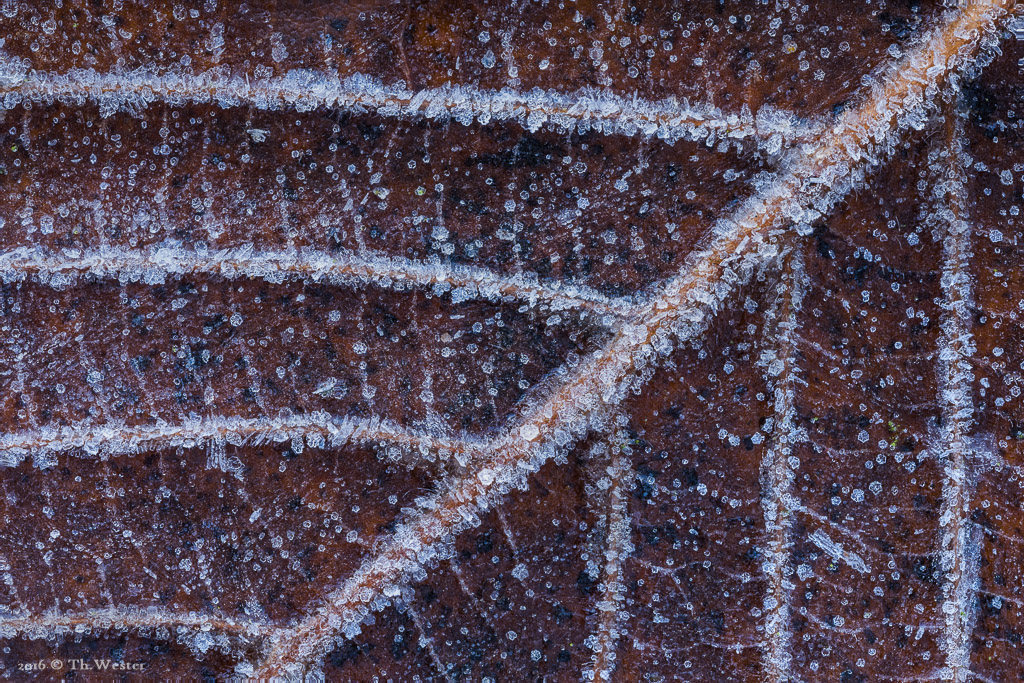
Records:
x=511, y=341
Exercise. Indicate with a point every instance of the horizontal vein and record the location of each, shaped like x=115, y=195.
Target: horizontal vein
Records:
x=811, y=185
x=305, y=90
x=153, y=265
x=317, y=429
x=996, y=533
x=127, y=619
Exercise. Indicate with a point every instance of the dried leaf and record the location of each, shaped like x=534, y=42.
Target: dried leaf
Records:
x=485, y=341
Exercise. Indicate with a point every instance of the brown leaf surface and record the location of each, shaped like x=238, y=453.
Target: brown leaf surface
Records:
x=480, y=341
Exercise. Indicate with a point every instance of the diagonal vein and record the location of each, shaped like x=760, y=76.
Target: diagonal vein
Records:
x=153, y=265
x=809, y=186
x=305, y=90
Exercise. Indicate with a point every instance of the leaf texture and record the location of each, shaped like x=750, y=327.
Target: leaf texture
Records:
x=487, y=341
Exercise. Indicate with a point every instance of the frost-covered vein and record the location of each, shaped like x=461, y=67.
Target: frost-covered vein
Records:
x=847, y=533
x=726, y=645
x=316, y=430
x=669, y=568
x=837, y=552
x=859, y=631
x=427, y=642
x=809, y=344
x=984, y=679
x=1018, y=602
x=908, y=679
x=154, y=265
x=304, y=90
x=809, y=186
x=618, y=547
x=995, y=533
x=777, y=473
x=959, y=556
x=124, y=619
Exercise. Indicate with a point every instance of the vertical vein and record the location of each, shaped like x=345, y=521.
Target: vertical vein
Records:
x=777, y=476
x=959, y=555
x=617, y=548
